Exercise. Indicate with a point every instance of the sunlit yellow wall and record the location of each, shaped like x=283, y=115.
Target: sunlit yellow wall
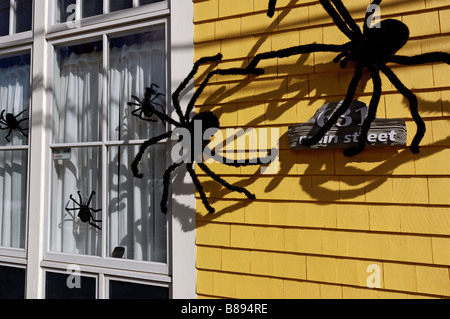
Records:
x=318, y=224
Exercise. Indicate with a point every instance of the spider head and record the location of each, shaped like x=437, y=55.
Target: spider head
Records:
x=209, y=121
x=384, y=39
x=84, y=214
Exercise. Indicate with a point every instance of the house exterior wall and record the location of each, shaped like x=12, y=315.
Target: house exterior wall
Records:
x=323, y=226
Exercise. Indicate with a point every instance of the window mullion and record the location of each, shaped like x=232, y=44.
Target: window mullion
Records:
x=105, y=6
x=104, y=123
x=12, y=16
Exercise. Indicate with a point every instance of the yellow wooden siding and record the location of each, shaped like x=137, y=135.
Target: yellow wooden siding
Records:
x=323, y=219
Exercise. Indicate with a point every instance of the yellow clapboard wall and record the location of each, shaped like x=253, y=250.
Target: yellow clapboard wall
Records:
x=322, y=223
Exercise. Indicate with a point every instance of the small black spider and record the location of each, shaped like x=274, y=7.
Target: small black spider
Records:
x=208, y=120
x=148, y=104
x=85, y=214
x=12, y=124
x=370, y=49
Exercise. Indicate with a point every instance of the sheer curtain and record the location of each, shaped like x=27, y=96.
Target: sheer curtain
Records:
x=78, y=94
x=133, y=218
x=14, y=98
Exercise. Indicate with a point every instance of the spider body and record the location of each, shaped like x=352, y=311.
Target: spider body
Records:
x=370, y=50
x=12, y=124
x=148, y=104
x=84, y=211
x=207, y=120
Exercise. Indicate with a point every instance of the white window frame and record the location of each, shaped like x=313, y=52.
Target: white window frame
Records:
x=179, y=273
x=18, y=255
x=103, y=261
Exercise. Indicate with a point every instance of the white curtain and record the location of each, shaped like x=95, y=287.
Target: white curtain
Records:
x=133, y=217
x=14, y=98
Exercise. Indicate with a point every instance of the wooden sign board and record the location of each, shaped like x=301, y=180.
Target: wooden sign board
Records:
x=345, y=133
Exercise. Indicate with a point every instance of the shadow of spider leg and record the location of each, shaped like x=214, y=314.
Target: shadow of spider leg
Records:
x=341, y=109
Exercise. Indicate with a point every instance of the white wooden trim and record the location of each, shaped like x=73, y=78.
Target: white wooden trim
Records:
x=182, y=206
x=37, y=167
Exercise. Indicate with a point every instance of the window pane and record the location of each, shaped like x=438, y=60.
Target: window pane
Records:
x=135, y=220
x=137, y=62
x=80, y=171
x=12, y=283
x=142, y=2
x=56, y=287
x=4, y=17
x=91, y=8
x=128, y=290
x=78, y=93
x=65, y=10
x=24, y=15
x=14, y=99
x=115, y=5
x=13, y=187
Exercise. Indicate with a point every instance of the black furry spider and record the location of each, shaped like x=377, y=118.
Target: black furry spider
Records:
x=371, y=50
x=12, y=124
x=148, y=104
x=208, y=120
x=85, y=213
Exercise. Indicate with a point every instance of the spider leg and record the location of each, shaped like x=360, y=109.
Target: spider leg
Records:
x=284, y=53
x=21, y=113
x=347, y=17
x=246, y=162
x=421, y=58
x=341, y=110
x=271, y=10
x=369, y=14
x=79, y=196
x=231, y=71
x=166, y=183
x=413, y=104
x=92, y=224
x=72, y=208
x=182, y=86
x=74, y=200
x=143, y=147
x=90, y=198
x=338, y=20
x=224, y=183
x=10, y=131
x=199, y=188
x=375, y=74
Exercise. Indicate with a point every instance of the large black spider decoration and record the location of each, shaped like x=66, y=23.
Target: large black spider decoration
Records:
x=369, y=49
x=148, y=104
x=84, y=211
x=12, y=124
x=208, y=120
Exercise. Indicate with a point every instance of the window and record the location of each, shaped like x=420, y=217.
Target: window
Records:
x=90, y=8
x=12, y=282
x=68, y=88
x=95, y=139
x=15, y=16
x=15, y=102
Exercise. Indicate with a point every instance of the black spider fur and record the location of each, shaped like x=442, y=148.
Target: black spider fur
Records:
x=147, y=104
x=209, y=120
x=84, y=211
x=12, y=124
x=370, y=49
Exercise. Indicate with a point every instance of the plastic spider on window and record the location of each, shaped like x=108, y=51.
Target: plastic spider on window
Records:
x=12, y=124
x=148, y=104
x=208, y=121
x=84, y=211
x=370, y=49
